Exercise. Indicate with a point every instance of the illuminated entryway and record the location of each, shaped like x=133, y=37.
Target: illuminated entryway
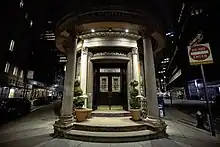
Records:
x=110, y=86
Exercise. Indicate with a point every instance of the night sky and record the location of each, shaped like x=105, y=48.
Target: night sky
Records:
x=42, y=54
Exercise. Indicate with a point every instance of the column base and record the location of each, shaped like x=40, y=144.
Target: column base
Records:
x=157, y=124
x=86, y=100
x=61, y=126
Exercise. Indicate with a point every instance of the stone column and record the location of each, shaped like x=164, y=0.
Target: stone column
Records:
x=129, y=78
x=90, y=81
x=83, y=74
x=135, y=66
x=150, y=78
x=66, y=119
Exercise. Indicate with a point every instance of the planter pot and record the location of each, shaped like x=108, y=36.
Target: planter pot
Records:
x=89, y=113
x=136, y=114
x=81, y=114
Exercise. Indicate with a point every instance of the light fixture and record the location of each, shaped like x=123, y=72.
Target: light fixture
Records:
x=92, y=30
x=126, y=30
x=31, y=23
x=110, y=29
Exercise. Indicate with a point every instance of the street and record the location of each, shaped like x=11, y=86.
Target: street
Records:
x=34, y=131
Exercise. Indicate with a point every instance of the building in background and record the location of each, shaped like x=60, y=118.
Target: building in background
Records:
x=195, y=24
x=14, y=52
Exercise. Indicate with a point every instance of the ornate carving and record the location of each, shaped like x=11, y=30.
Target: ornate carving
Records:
x=134, y=51
x=84, y=51
x=110, y=34
x=110, y=54
x=90, y=54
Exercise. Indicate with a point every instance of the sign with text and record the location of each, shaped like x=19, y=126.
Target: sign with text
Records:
x=200, y=54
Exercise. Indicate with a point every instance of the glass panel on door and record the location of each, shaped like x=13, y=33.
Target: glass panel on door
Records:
x=104, y=84
x=116, y=87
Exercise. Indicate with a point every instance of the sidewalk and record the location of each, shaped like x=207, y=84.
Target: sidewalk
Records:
x=34, y=132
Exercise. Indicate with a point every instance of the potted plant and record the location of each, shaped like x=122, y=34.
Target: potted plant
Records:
x=78, y=102
x=135, y=104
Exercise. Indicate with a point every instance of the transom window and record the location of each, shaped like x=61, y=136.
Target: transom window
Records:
x=110, y=70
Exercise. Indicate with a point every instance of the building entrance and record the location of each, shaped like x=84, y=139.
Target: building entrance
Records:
x=110, y=86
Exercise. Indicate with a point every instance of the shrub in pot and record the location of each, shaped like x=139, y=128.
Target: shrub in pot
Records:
x=78, y=102
x=135, y=103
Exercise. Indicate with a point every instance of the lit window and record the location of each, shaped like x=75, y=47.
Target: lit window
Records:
x=15, y=71
x=12, y=44
x=21, y=74
x=21, y=4
x=7, y=66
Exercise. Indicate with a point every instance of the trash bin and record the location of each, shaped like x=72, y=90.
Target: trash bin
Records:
x=161, y=107
x=200, y=120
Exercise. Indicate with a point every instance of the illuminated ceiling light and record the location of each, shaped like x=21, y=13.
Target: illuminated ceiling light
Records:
x=31, y=23
x=126, y=30
x=21, y=4
x=92, y=30
x=49, y=21
x=110, y=29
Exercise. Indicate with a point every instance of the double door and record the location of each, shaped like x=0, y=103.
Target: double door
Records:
x=110, y=91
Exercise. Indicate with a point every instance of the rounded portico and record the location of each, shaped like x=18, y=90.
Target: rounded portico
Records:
x=106, y=49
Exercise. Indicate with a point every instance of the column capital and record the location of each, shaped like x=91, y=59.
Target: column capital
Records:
x=129, y=54
x=134, y=51
x=90, y=54
x=84, y=51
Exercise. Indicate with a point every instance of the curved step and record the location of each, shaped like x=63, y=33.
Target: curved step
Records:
x=112, y=124
x=113, y=137
x=110, y=128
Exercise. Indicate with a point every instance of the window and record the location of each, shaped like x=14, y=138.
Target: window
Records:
x=15, y=71
x=116, y=84
x=21, y=74
x=109, y=70
x=11, y=48
x=103, y=84
x=7, y=66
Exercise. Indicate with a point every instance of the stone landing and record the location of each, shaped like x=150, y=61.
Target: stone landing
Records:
x=111, y=113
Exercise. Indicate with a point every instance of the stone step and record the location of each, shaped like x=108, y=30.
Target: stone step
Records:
x=106, y=128
x=113, y=137
x=111, y=124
